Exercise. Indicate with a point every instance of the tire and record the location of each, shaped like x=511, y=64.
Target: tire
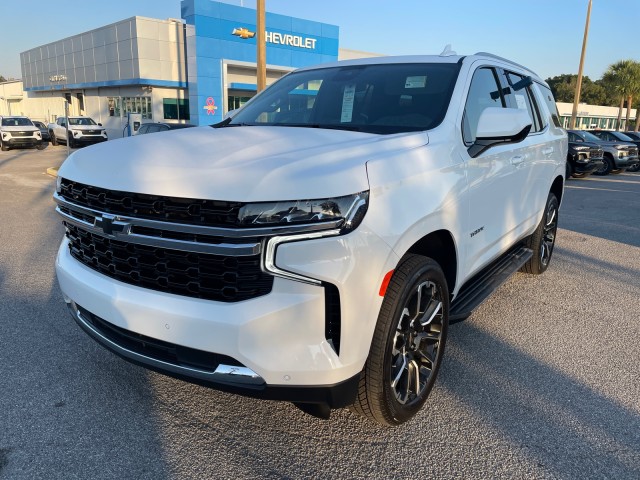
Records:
x=543, y=239
x=42, y=145
x=607, y=166
x=54, y=140
x=569, y=171
x=387, y=393
x=71, y=141
x=634, y=168
x=3, y=147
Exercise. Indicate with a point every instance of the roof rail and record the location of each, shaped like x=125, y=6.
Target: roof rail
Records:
x=497, y=57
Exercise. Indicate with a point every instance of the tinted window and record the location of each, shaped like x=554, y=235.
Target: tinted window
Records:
x=551, y=104
x=383, y=99
x=143, y=129
x=523, y=99
x=483, y=93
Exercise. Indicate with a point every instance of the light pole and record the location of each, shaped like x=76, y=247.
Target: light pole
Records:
x=260, y=43
x=576, y=98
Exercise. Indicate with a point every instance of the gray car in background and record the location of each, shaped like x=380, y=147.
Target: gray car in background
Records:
x=618, y=155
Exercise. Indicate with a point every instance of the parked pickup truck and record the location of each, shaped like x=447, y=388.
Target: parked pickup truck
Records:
x=314, y=246
x=82, y=131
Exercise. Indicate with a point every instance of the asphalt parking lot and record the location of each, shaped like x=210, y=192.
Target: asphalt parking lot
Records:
x=542, y=381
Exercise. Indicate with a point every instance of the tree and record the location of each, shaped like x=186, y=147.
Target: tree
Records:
x=2, y=79
x=623, y=78
x=564, y=87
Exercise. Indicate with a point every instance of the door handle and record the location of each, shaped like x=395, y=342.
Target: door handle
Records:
x=547, y=151
x=517, y=160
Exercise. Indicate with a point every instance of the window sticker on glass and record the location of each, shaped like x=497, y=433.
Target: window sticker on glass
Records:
x=416, y=82
x=521, y=101
x=347, y=103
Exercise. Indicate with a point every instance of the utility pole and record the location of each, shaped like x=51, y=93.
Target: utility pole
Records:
x=576, y=98
x=260, y=43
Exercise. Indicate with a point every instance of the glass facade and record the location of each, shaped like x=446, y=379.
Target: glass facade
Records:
x=175, y=108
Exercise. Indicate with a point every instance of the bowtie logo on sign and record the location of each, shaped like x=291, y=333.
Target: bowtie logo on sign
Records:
x=278, y=38
x=211, y=106
x=243, y=33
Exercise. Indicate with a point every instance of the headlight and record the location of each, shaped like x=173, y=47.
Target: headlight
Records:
x=348, y=211
x=38, y=134
x=579, y=149
x=621, y=147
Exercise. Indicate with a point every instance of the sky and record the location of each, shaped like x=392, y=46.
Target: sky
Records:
x=544, y=35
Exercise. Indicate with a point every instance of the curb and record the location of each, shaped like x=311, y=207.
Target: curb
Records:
x=53, y=171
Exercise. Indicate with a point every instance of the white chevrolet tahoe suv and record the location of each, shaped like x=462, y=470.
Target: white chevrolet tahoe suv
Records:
x=315, y=246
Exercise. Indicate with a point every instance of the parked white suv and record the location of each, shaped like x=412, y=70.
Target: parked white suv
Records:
x=17, y=131
x=315, y=246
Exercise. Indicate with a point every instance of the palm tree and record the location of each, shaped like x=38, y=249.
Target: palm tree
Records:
x=624, y=78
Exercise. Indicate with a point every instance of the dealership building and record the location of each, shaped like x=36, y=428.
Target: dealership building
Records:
x=189, y=70
x=192, y=70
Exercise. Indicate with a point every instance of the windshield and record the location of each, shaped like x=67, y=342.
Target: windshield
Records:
x=384, y=99
x=589, y=137
x=622, y=137
x=81, y=121
x=16, y=122
x=40, y=125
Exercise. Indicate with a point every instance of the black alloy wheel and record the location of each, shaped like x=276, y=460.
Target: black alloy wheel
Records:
x=543, y=239
x=607, y=166
x=408, y=343
x=569, y=171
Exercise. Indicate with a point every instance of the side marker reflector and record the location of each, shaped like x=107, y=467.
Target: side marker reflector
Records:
x=385, y=283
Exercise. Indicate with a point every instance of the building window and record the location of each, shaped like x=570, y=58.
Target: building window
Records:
x=176, y=108
x=235, y=102
x=122, y=105
x=114, y=106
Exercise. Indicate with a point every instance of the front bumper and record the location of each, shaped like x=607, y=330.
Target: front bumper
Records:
x=588, y=166
x=624, y=162
x=280, y=337
x=22, y=141
x=231, y=377
x=89, y=139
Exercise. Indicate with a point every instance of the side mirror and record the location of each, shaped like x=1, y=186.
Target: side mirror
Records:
x=499, y=126
x=99, y=124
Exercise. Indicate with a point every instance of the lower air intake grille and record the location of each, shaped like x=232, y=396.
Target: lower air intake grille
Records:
x=157, y=349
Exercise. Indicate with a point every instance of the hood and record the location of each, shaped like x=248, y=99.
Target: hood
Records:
x=23, y=128
x=244, y=164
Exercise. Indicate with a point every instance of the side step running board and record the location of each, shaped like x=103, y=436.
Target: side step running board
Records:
x=478, y=289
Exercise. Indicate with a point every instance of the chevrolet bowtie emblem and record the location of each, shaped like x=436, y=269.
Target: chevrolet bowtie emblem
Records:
x=110, y=225
x=243, y=33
